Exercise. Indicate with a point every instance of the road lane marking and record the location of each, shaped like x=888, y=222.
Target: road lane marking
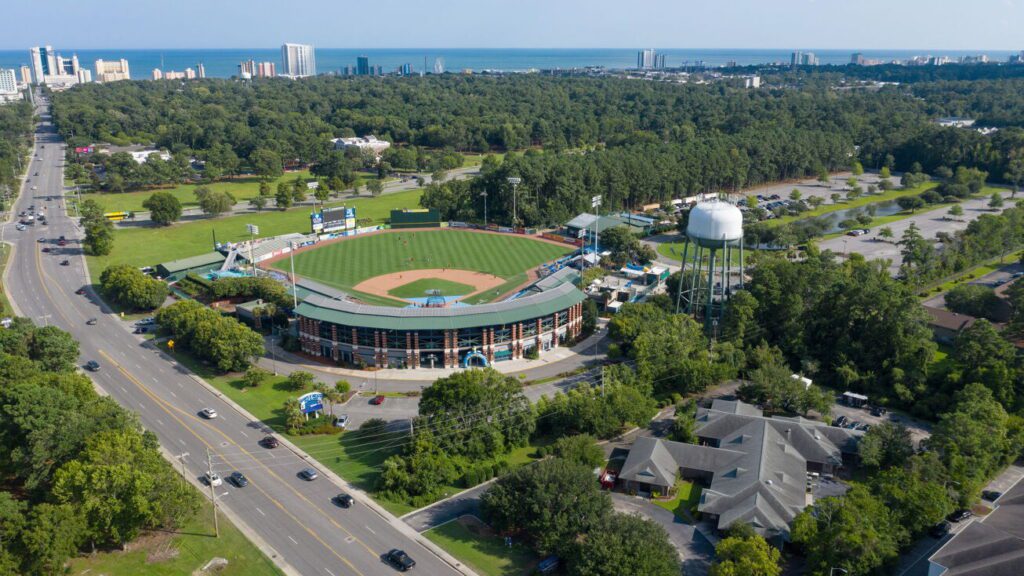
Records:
x=293, y=540
x=371, y=530
x=242, y=432
x=159, y=422
x=170, y=410
x=329, y=572
x=260, y=511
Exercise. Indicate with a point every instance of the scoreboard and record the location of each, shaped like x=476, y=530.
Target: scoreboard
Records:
x=333, y=220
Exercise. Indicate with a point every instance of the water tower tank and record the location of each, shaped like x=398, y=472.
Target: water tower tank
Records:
x=713, y=222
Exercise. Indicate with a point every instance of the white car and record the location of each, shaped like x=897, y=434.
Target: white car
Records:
x=20, y=227
x=341, y=421
x=208, y=413
x=213, y=479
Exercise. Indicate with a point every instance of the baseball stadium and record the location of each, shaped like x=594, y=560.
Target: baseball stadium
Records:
x=433, y=297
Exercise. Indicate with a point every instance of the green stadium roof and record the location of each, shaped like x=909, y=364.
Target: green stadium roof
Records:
x=193, y=262
x=349, y=313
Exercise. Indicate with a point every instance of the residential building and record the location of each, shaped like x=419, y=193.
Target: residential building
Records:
x=298, y=60
x=955, y=122
x=369, y=142
x=646, y=59
x=363, y=66
x=26, y=75
x=799, y=58
x=157, y=74
x=751, y=81
x=266, y=70
x=247, y=69
x=857, y=58
x=200, y=70
x=112, y=71
x=83, y=75
x=438, y=65
x=991, y=545
x=8, y=82
x=405, y=69
x=43, y=62
x=755, y=468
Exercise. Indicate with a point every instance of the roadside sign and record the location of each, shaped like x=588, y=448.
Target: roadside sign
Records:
x=252, y=228
x=311, y=402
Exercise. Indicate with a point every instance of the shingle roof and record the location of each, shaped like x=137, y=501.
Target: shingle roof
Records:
x=758, y=469
x=990, y=546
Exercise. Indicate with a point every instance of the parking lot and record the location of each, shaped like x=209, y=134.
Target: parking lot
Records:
x=918, y=430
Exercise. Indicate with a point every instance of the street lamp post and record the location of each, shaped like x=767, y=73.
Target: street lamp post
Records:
x=514, y=181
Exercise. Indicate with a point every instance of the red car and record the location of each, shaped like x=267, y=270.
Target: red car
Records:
x=377, y=400
x=47, y=249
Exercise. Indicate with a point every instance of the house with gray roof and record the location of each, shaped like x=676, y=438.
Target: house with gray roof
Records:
x=754, y=467
x=989, y=546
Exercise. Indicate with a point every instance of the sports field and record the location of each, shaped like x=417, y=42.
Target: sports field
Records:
x=499, y=261
x=419, y=288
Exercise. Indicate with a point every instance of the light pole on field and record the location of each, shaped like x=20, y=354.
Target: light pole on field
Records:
x=253, y=231
x=514, y=181
x=484, y=194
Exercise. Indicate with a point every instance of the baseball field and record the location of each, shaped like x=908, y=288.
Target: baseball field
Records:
x=393, y=268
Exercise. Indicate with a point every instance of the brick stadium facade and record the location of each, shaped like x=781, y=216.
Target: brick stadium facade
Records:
x=548, y=313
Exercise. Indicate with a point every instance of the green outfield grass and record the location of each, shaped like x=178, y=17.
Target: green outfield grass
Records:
x=242, y=188
x=349, y=262
x=419, y=288
x=147, y=246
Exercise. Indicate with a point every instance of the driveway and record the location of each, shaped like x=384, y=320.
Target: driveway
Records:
x=696, y=551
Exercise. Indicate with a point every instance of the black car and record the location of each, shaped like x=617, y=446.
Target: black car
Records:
x=269, y=442
x=92, y=366
x=344, y=500
x=959, y=515
x=990, y=495
x=939, y=530
x=878, y=411
x=399, y=559
x=238, y=479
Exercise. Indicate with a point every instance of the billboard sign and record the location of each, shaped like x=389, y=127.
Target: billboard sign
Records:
x=312, y=402
x=316, y=222
x=83, y=150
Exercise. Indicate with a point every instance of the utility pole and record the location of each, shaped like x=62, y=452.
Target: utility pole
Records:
x=181, y=459
x=213, y=493
x=595, y=203
x=514, y=181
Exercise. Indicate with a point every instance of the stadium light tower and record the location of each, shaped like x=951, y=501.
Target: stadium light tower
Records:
x=514, y=181
x=484, y=194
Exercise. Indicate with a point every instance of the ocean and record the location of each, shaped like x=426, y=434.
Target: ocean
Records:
x=224, y=62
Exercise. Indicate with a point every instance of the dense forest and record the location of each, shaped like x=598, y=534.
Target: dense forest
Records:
x=15, y=137
x=78, y=471
x=634, y=141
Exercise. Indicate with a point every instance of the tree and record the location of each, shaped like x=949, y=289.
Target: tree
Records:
x=745, y=556
x=322, y=192
x=266, y=163
x=835, y=197
x=974, y=299
x=293, y=416
x=375, y=186
x=128, y=286
x=580, y=449
x=856, y=532
x=851, y=182
x=884, y=173
x=283, y=198
x=910, y=203
x=550, y=502
x=54, y=349
x=885, y=233
x=254, y=376
x=772, y=383
x=299, y=190
x=916, y=492
x=886, y=445
x=164, y=208
x=299, y=380
x=1015, y=171
x=857, y=169
x=259, y=202
x=795, y=195
x=823, y=176
x=52, y=534
x=342, y=386
x=467, y=401
x=684, y=425
x=214, y=202
x=624, y=545
x=815, y=201
x=996, y=201
x=956, y=211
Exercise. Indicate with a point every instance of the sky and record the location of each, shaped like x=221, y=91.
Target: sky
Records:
x=781, y=24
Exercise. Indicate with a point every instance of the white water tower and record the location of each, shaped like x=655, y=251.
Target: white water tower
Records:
x=714, y=235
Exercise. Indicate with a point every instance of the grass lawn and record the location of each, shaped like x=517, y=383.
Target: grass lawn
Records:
x=419, y=288
x=147, y=246
x=345, y=264
x=183, y=552
x=674, y=250
x=5, y=253
x=685, y=501
x=243, y=188
x=485, y=553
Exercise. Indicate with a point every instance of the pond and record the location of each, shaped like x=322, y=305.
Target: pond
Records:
x=831, y=220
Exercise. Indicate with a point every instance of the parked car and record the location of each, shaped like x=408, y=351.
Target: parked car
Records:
x=939, y=530
x=238, y=479
x=208, y=413
x=959, y=515
x=146, y=322
x=92, y=366
x=990, y=495
x=62, y=242
x=269, y=442
x=46, y=248
x=41, y=240
x=212, y=478
x=344, y=500
x=377, y=400
x=399, y=560
x=878, y=411
x=840, y=421
x=140, y=330
x=341, y=421
x=308, y=474
x=65, y=262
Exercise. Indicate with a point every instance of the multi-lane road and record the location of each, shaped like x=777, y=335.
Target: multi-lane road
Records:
x=294, y=521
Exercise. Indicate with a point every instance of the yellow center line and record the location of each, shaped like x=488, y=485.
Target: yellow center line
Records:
x=170, y=410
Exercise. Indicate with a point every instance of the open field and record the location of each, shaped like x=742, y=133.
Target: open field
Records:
x=347, y=263
x=181, y=552
x=243, y=188
x=147, y=246
x=472, y=542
